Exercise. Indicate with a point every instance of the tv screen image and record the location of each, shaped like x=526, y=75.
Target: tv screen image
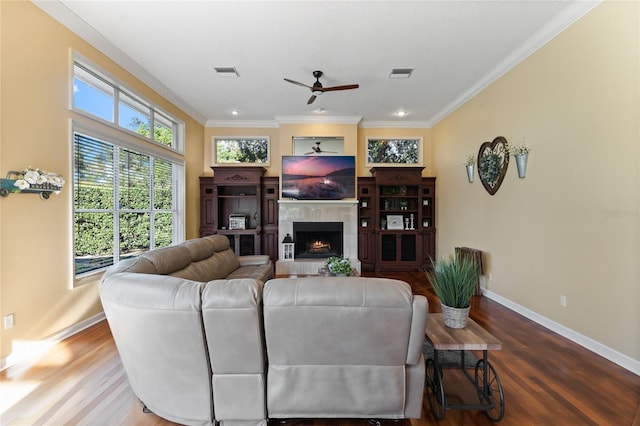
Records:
x=319, y=177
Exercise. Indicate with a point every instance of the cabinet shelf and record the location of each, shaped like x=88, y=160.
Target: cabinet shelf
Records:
x=400, y=192
x=238, y=192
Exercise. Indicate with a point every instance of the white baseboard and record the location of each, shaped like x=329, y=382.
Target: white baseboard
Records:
x=33, y=350
x=612, y=355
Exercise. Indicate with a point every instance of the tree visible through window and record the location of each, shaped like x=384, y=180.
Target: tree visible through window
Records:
x=241, y=150
x=394, y=151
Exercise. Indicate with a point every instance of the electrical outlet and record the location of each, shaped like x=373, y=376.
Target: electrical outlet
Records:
x=563, y=300
x=8, y=321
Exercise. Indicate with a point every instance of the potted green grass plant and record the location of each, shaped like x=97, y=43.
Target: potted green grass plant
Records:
x=454, y=282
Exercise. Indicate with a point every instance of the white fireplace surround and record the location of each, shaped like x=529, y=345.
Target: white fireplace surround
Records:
x=345, y=211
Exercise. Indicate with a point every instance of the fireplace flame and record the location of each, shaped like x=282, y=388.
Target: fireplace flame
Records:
x=319, y=246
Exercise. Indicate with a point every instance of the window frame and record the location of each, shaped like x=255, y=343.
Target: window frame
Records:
x=119, y=88
x=95, y=127
x=392, y=140
x=214, y=151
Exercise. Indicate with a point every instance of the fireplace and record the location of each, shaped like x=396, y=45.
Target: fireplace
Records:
x=344, y=213
x=317, y=239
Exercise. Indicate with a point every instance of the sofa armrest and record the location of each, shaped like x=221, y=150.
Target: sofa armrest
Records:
x=418, y=324
x=258, y=259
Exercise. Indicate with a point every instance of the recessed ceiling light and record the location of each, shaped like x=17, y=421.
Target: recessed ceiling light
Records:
x=400, y=72
x=235, y=112
x=227, y=71
x=401, y=113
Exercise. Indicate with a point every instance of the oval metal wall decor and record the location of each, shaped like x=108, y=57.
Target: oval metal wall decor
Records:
x=493, y=160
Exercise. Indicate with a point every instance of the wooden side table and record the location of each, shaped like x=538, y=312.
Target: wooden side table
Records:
x=486, y=390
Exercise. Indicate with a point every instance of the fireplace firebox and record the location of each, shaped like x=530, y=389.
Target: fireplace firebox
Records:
x=317, y=239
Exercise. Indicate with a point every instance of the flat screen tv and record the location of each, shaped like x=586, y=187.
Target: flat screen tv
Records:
x=321, y=177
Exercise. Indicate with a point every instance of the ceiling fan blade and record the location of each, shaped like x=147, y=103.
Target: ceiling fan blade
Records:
x=309, y=153
x=345, y=87
x=311, y=99
x=298, y=83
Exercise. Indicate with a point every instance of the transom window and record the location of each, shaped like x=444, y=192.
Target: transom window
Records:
x=97, y=96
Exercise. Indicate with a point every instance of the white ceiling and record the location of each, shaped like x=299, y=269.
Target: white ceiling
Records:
x=456, y=48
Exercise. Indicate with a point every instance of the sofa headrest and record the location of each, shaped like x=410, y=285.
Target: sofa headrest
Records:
x=137, y=264
x=220, y=242
x=338, y=291
x=168, y=259
x=200, y=248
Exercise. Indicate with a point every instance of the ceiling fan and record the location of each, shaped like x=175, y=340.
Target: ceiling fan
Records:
x=317, y=150
x=317, y=88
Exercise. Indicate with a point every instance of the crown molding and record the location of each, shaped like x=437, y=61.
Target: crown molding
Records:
x=75, y=24
x=267, y=124
x=311, y=119
x=574, y=11
x=395, y=125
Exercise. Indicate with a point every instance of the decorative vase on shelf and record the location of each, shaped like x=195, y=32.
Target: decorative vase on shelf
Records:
x=470, y=172
x=521, y=164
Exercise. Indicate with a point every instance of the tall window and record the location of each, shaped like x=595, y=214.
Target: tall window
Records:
x=128, y=193
x=125, y=202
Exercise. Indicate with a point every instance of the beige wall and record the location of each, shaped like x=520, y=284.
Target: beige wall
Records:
x=571, y=227
x=36, y=263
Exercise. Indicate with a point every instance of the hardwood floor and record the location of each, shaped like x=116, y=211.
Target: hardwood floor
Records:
x=547, y=380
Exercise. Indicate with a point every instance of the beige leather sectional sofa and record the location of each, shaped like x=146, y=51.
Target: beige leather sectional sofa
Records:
x=208, y=337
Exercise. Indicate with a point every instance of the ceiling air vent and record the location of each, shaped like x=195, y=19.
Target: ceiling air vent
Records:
x=400, y=72
x=227, y=71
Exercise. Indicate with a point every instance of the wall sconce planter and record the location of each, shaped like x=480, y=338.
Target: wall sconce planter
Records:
x=493, y=160
x=469, y=164
x=31, y=181
x=470, y=173
x=521, y=152
x=521, y=164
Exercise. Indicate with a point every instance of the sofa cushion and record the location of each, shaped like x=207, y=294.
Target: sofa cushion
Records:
x=337, y=347
x=369, y=317
x=156, y=323
x=257, y=272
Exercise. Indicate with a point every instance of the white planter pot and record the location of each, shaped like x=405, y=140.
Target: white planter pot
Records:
x=455, y=317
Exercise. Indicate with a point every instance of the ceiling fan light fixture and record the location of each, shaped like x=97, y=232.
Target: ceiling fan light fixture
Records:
x=235, y=112
x=401, y=113
x=319, y=110
x=400, y=72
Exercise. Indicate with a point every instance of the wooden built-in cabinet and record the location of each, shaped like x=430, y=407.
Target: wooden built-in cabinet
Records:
x=270, y=191
x=396, y=216
x=241, y=195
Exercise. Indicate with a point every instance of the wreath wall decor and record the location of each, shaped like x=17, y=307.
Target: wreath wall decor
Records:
x=493, y=160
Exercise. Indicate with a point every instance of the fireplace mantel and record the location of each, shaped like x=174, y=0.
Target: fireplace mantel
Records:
x=321, y=202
